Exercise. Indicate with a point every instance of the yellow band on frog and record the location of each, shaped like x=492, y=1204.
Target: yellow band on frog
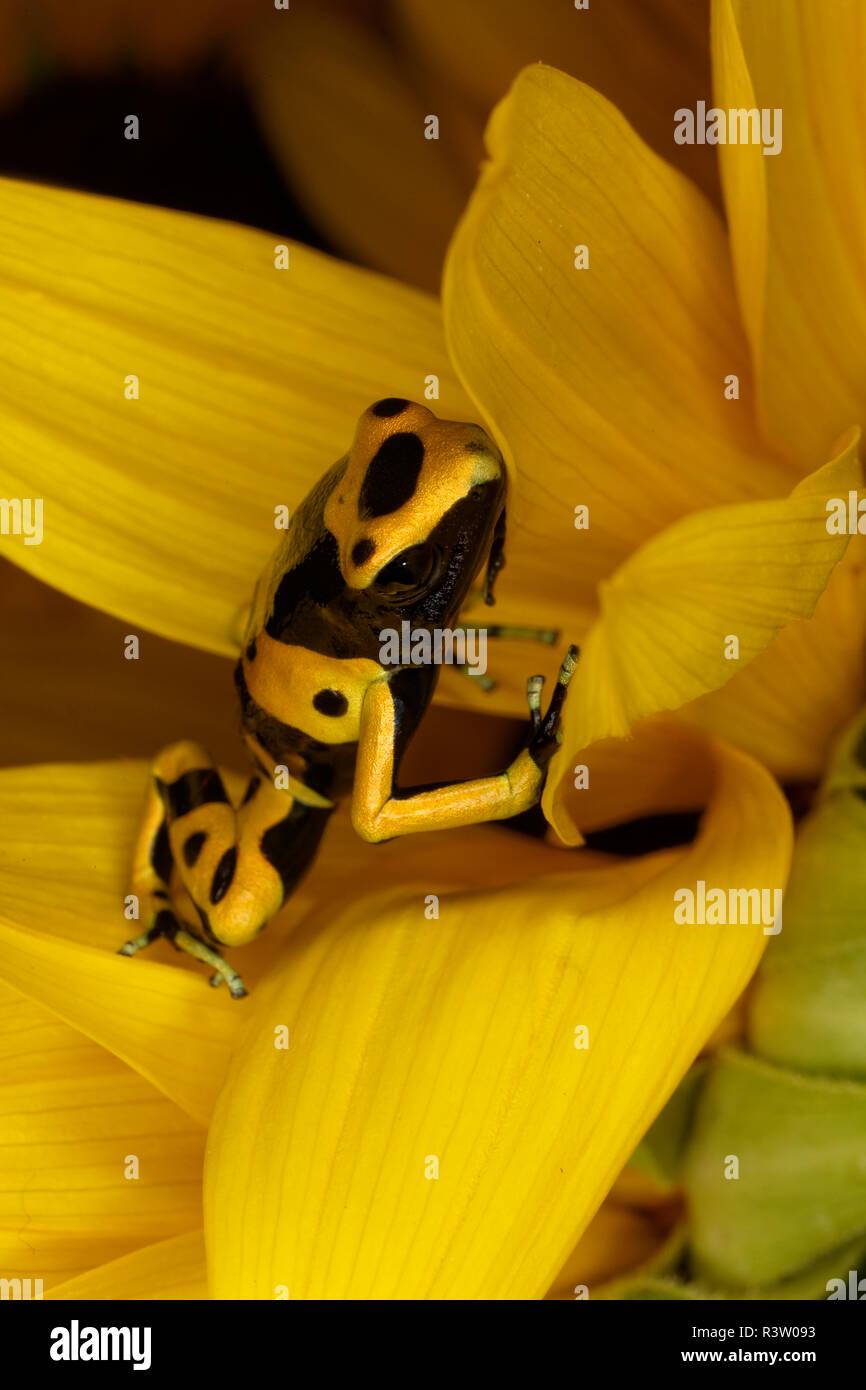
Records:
x=307, y=795
x=297, y=789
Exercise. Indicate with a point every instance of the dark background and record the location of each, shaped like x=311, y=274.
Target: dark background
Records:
x=199, y=151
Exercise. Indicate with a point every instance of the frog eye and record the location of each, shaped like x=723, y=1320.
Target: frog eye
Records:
x=413, y=569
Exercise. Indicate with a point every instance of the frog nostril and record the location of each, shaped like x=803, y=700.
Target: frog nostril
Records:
x=362, y=551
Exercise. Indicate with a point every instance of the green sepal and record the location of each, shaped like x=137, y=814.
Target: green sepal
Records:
x=645, y=1290
x=811, y=1283
x=806, y=1007
x=801, y=1191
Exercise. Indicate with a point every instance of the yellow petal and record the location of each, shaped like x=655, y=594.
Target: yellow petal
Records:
x=160, y=1020
x=345, y=113
x=75, y=697
x=788, y=706
x=414, y=1040
x=798, y=218
x=171, y=1269
x=605, y=385
x=66, y=838
x=671, y=612
x=67, y=1134
x=55, y=1050
x=66, y=835
x=161, y=510
x=731, y=1030
x=647, y=57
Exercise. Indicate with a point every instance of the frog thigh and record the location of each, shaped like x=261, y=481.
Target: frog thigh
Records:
x=236, y=863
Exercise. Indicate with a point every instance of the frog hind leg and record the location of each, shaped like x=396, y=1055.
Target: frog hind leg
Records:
x=165, y=924
x=154, y=872
x=510, y=633
x=232, y=863
x=483, y=682
x=549, y=636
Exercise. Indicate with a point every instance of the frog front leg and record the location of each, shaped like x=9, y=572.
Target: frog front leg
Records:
x=200, y=855
x=379, y=812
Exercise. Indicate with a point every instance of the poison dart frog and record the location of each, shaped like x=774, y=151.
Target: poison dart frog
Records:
x=399, y=529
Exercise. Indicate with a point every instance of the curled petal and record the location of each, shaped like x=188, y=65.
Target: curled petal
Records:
x=788, y=705
x=433, y=1130
x=671, y=614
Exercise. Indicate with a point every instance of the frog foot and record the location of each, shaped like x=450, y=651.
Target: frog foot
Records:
x=545, y=735
x=165, y=924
